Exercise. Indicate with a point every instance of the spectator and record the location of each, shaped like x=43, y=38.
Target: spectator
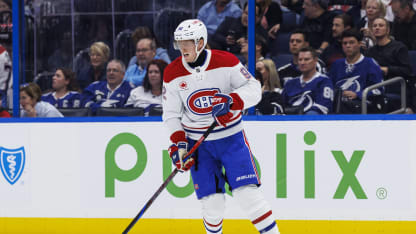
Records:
x=317, y=23
x=373, y=9
x=261, y=49
x=312, y=90
x=232, y=29
x=357, y=13
x=150, y=94
x=271, y=102
x=354, y=73
x=271, y=81
x=334, y=51
x=112, y=92
x=95, y=71
x=144, y=32
x=272, y=18
x=404, y=25
x=214, y=12
x=65, y=94
x=31, y=104
x=298, y=40
x=145, y=52
x=393, y=58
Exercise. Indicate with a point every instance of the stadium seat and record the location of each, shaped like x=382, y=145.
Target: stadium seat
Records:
x=294, y=110
x=412, y=58
x=282, y=59
x=280, y=44
x=124, y=46
x=44, y=80
x=156, y=111
x=75, y=112
x=290, y=21
x=108, y=111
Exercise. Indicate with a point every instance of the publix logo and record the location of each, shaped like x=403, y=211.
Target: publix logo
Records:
x=348, y=165
x=12, y=163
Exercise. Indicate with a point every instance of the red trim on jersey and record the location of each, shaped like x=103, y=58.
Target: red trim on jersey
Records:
x=221, y=59
x=253, y=163
x=178, y=136
x=2, y=49
x=174, y=70
x=213, y=225
x=261, y=218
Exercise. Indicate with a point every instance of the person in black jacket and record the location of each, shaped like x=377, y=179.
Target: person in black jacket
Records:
x=392, y=56
x=404, y=25
x=232, y=29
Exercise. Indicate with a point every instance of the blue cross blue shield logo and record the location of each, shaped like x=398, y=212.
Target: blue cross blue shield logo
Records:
x=12, y=163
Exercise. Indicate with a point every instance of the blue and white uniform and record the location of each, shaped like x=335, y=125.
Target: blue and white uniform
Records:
x=315, y=94
x=99, y=94
x=71, y=99
x=358, y=76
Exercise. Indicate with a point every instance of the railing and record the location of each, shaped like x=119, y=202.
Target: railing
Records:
x=382, y=84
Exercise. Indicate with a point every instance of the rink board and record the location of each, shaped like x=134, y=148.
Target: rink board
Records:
x=319, y=176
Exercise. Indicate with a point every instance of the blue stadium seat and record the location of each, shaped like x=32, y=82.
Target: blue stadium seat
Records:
x=108, y=111
x=280, y=45
x=412, y=58
x=290, y=21
x=282, y=59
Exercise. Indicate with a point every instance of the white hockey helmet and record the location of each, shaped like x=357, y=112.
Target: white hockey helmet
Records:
x=191, y=29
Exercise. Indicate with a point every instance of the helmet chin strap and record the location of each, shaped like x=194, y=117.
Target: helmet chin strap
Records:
x=197, y=52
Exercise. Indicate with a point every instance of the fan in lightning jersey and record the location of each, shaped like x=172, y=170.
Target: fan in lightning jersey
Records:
x=71, y=99
x=200, y=87
x=356, y=76
x=113, y=92
x=312, y=90
x=351, y=75
x=63, y=84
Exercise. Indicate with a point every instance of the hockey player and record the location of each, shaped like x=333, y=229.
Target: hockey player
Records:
x=354, y=73
x=200, y=87
x=312, y=90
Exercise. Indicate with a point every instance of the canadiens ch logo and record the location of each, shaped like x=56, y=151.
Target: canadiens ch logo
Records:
x=12, y=163
x=200, y=101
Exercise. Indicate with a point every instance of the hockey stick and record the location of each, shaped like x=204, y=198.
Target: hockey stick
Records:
x=170, y=177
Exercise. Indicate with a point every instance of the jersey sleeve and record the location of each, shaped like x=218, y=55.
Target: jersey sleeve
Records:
x=245, y=85
x=172, y=108
x=375, y=76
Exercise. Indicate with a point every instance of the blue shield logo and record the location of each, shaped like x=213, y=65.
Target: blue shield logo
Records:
x=12, y=162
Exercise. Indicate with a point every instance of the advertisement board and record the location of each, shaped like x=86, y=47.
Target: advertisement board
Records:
x=320, y=170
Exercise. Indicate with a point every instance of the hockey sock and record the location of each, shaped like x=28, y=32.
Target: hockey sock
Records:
x=253, y=203
x=213, y=207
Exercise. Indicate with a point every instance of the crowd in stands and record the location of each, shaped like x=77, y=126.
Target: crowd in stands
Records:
x=320, y=64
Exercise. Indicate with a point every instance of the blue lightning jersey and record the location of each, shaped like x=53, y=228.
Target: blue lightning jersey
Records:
x=98, y=94
x=71, y=99
x=315, y=94
x=356, y=77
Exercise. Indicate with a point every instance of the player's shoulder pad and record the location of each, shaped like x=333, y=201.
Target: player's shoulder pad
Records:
x=221, y=58
x=174, y=70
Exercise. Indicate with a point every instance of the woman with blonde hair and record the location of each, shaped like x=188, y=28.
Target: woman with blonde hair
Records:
x=31, y=104
x=99, y=54
x=374, y=9
x=271, y=101
x=271, y=81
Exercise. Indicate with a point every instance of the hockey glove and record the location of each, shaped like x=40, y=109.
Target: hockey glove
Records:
x=178, y=150
x=224, y=106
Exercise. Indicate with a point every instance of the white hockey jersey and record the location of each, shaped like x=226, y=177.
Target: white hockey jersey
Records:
x=188, y=92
